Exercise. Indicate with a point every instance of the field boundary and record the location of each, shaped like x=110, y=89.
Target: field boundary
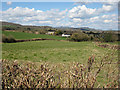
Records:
x=36, y=39
x=108, y=46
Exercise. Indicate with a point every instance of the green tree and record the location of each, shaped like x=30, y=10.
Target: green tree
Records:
x=79, y=37
x=58, y=32
x=110, y=37
x=8, y=39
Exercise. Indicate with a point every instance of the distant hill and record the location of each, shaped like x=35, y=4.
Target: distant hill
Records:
x=9, y=23
x=19, y=26
x=46, y=27
x=24, y=26
x=76, y=29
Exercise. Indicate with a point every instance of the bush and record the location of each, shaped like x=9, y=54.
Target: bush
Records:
x=8, y=39
x=79, y=37
x=110, y=37
x=42, y=32
x=58, y=32
x=8, y=27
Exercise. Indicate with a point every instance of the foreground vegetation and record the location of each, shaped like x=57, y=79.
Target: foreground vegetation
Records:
x=58, y=64
x=95, y=74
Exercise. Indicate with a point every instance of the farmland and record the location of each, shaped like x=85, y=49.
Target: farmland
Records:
x=22, y=35
x=59, y=57
x=53, y=51
x=58, y=62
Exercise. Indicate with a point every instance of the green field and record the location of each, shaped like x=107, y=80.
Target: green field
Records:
x=22, y=35
x=61, y=57
x=53, y=51
x=57, y=62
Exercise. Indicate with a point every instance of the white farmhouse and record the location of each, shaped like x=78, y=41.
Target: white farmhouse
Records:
x=50, y=33
x=65, y=35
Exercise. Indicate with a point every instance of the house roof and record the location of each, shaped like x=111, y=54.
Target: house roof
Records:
x=51, y=30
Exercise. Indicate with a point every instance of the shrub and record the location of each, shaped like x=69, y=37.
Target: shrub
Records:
x=79, y=37
x=8, y=39
x=58, y=32
x=8, y=27
x=42, y=32
x=110, y=37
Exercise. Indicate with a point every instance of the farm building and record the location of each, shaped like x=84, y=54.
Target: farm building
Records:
x=65, y=35
x=36, y=32
x=50, y=32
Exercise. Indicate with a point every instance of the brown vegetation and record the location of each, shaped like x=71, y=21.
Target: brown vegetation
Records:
x=108, y=46
x=45, y=75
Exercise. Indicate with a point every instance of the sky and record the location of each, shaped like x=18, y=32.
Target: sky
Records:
x=98, y=15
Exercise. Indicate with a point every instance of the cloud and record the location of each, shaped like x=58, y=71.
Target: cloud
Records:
x=77, y=20
x=94, y=19
x=82, y=11
x=107, y=8
x=38, y=17
x=9, y=3
x=107, y=21
x=104, y=21
x=105, y=1
x=78, y=16
x=20, y=12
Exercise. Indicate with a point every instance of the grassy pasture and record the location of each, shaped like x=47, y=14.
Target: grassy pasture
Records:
x=22, y=35
x=62, y=58
x=53, y=51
